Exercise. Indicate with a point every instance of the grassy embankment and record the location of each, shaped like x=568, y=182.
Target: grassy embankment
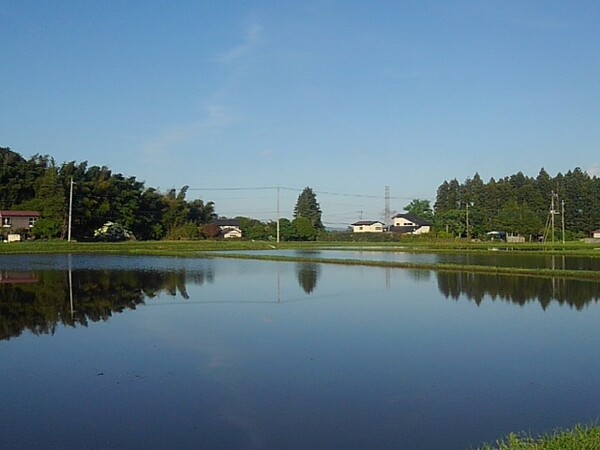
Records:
x=578, y=438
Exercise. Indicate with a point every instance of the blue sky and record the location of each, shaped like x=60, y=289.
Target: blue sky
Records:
x=344, y=96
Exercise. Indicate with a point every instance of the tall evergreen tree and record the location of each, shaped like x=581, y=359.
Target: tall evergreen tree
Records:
x=308, y=207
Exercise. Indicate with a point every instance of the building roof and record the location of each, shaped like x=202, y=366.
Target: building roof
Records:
x=19, y=214
x=226, y=223
x=367, y=222
x=413, y=219
x=404, y=229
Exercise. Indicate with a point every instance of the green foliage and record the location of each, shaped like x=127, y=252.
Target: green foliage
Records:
x=47, y=228
x=420, y=208
x=286, y=230
x=519, y=204
x=254, y=229
x=99, y=196
x=304, y=230
x=579, y=438
x=452, y=222
x=183, y=232
x=308, y=207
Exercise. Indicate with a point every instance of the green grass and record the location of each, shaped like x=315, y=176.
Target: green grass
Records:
x=411, y=245
x=579, y=438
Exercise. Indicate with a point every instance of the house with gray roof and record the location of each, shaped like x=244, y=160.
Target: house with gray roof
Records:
x=409, y=224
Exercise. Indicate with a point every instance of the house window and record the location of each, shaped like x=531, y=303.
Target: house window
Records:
x=6, y=222
x=32, y=221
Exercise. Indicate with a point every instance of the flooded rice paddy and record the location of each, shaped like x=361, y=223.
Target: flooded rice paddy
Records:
x=144, y=352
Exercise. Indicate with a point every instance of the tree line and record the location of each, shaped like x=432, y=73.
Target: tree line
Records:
x=515, y=204
x=99, y=196
x=520, y=205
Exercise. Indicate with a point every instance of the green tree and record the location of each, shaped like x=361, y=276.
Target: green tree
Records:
x=201, y=213
x=420, y=208
x=308, y=207
x=50, y=202
x=304, y=229
x=452, y=222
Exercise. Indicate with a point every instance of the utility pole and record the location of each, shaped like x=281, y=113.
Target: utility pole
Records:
x=468, y=234
x=387, y=207
x=70, y=211
x=563, y=221
x=278, y=214
x=552, y=212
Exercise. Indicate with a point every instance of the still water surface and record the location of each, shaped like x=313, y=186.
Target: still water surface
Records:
x=496, y=259
x=139, y=352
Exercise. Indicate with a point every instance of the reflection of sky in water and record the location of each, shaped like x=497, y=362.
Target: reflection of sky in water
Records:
x=372, y=358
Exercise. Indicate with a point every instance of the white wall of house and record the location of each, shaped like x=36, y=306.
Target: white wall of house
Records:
x=232, y=232
x=596, y=234
x=404, y=222
x=377, y=227
x=422, y=230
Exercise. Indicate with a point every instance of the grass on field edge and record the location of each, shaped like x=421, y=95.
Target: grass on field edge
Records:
x=580, y=437
x=492, y=270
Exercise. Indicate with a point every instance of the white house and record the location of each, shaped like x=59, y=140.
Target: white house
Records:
x=596, y=234
x=230, y=228
x=408, y=224
x=368, y=226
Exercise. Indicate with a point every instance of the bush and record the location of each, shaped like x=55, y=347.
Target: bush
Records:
x=184, y=232
x=113, y=232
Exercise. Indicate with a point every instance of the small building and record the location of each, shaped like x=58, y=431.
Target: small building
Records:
x=409, y=224
x=596, y=234
x=231, y=232
x=496, y=235
x=368, y=226
x=17, y=220
x=230, y=228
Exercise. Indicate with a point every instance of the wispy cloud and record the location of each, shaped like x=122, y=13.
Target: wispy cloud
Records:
x=267, y=153
x=251, y=41
x=216, y=117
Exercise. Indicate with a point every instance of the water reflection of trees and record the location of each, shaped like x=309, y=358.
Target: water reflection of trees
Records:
x=519, y=290
x=43, y=305
x=308, y=275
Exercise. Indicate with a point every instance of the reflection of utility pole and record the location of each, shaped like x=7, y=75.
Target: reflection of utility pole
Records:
x=278, y=285
x=71, y=286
